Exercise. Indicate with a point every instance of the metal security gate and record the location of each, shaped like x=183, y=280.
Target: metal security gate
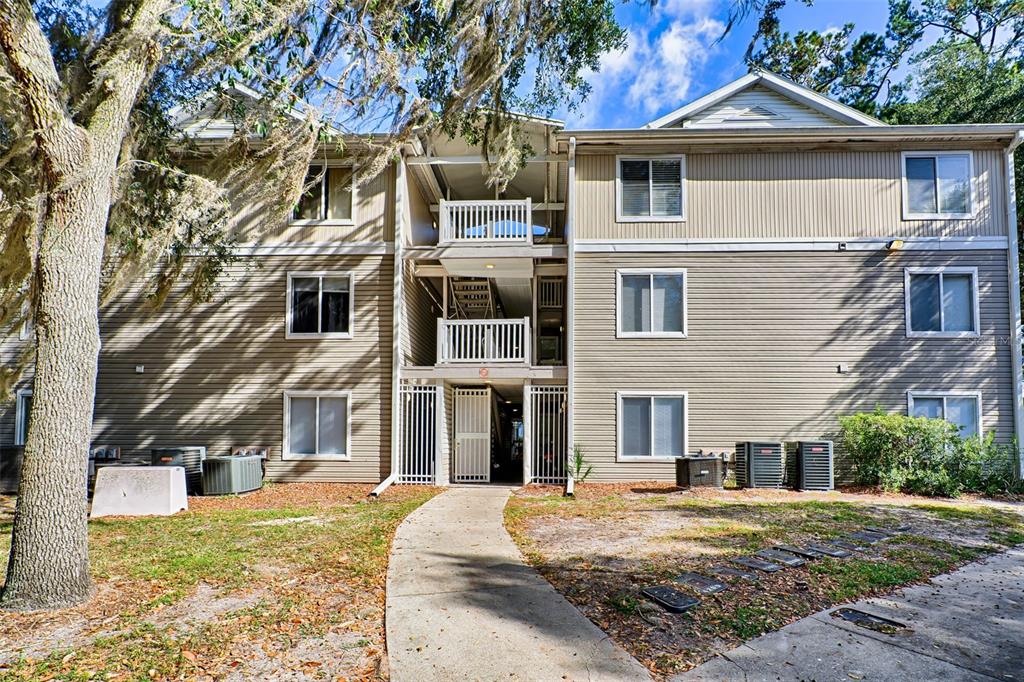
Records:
x=472, y=436
x=418, y=440
x=548, y=433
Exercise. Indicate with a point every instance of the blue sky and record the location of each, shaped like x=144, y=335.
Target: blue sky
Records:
x=672, y=56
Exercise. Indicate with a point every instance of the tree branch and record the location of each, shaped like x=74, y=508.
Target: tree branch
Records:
x=31, y=65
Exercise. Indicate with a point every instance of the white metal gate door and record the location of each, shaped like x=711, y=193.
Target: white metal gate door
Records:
x=549, y=442
x=472, y=435
x=418, y=439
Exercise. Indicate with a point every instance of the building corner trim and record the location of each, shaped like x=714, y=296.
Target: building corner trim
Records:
x=1013, y=275
x=397, y=317
x=570, y=322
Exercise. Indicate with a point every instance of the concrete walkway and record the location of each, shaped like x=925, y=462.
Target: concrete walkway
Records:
x=462, y=605
x=965, y=625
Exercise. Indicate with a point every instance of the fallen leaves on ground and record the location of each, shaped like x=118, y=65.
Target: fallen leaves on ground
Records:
x=215, y=593
x=602, y=547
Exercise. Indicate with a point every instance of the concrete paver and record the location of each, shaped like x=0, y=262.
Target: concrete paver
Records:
x=462, y=605
x=965, y=625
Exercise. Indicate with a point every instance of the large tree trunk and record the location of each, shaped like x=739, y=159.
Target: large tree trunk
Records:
x=49, y=561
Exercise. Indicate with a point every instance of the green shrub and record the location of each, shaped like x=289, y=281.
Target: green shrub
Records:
x=925, y=456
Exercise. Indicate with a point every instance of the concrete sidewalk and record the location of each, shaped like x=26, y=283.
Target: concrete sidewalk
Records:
x=462, y=605
x=965, y=625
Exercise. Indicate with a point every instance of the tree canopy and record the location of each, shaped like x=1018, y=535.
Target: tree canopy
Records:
x=98, y=184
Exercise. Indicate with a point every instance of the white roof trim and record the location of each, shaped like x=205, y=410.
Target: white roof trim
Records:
x=781, y=85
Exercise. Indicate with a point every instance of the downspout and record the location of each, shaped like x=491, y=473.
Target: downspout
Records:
x=397, y=324
x=570, y=312
x=1013, y=273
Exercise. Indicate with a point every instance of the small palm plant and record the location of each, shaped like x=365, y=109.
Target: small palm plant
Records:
x=580, y=468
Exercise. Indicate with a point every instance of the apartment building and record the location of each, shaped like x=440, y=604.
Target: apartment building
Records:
x=750, y=266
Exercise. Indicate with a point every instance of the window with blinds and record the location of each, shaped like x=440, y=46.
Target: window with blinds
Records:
x=652, y=425
x=650, y=188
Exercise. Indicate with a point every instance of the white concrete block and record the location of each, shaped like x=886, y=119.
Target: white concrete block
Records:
x=139, y=491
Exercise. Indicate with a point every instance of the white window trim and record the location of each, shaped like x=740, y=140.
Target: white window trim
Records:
x=286, y=453
x=19, y=414
x=928, y=393
x=325, y=165
x=289, y=334
x=908, y=215
x=620, y=218
x=973, y=272
x=619, y=333
x=619, y=395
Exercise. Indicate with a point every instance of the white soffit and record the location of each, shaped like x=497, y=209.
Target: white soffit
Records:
x=515, y=268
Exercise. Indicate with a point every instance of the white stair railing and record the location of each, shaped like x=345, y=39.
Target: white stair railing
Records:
x=505, y=221
x=483, y=341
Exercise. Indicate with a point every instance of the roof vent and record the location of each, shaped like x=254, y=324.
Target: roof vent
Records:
x=755, y=113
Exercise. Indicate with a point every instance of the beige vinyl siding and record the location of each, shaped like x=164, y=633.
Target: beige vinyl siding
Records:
x=787, y=195
x=215, y=373
x=726, y=114
x=419, y=333
x=372, y=213
x=767, y=332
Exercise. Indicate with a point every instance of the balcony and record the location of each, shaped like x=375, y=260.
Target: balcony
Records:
x=483, y=341
x=487, y=222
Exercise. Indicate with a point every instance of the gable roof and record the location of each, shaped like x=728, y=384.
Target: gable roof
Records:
x=783, y=86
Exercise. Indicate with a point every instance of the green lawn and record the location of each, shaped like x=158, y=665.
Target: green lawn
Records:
x=602, y=547
x=296, y=587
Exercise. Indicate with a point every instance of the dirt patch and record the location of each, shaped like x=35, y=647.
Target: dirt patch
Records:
x=205, y=605
x=285, y=522
x=602, y=547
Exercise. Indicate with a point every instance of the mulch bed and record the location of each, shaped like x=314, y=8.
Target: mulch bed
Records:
x=315, y=495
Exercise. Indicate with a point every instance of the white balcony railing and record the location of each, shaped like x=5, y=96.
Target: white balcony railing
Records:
x=506, y=222
x=483, y=341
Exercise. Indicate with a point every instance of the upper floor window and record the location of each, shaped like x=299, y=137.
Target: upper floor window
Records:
x=327, y=195
x=651, y=303
x=938, y=185
x=320, y=305
x=960, y=408
x=650, y=188
x=941, y=301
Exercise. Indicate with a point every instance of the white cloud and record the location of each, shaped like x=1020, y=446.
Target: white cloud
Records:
x=653, y=73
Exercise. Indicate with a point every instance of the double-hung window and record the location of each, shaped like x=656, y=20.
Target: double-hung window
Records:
x=652, y=425
x=320, y=305
x=22, y=410
x=941, y=301
x=960, y=408
x=651, y=303
x=650, y=188
x=938, y=185
x=317, y=424
x=326, y=196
